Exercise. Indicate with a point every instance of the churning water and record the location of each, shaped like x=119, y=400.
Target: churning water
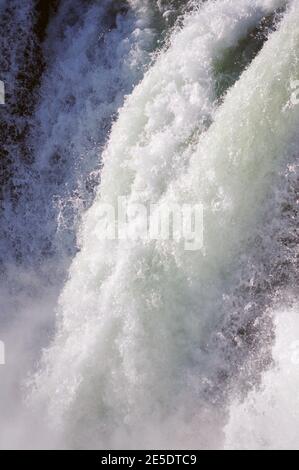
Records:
x=141, y=343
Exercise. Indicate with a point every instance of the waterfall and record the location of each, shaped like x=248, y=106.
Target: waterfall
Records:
x=154, y=345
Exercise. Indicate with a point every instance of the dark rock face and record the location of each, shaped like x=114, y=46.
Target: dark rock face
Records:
x=33, y=34
x=21, y=66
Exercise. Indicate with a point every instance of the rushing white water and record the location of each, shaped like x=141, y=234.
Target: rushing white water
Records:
x=131, y=362
x=268, y=418
x=154, y=346
x=64, y=85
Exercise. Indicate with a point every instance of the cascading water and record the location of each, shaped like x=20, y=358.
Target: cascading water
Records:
x=154, y=345
x=46, y=180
